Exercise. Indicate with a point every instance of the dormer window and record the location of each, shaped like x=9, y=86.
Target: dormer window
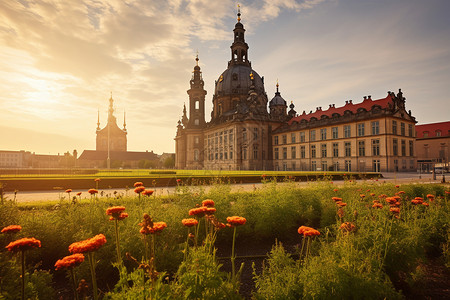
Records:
x=438, y=133
x=425, y=134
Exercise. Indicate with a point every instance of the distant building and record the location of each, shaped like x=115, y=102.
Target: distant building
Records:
x=248, y=132
x=432, y=145
x=15, y=159
x=111, y=143
x=26, y=159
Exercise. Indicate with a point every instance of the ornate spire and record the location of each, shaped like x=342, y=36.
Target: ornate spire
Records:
x=98, y=119
x=196, y=58
x=277, y=85
x=239, y=13
x=124, y=121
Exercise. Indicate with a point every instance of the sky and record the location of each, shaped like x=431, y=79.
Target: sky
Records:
x=60, y=60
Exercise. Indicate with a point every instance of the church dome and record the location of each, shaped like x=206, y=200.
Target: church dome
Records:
x=277, y=99
x=236, y=80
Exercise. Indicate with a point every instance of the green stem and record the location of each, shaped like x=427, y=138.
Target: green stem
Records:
x=233, y=257
x=186, y=246
x=145, y=248
x=303, y=245
x=152, y=253
x=74, y=283
x=92, y=267
x=119, y=256
x=196, y=233
x=23, y=274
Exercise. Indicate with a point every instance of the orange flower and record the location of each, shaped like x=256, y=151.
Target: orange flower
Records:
x=178, y=180
x=425, y=203
x=88, y=245
x=390, y=200
x=115, y=210
x=198, y=211
x=429, y=196
x=401, y=192
x=335, y=190
x=139, y=189
x=23, y=244
x=397, y=198
x=302, y=229
x=377, y=205
x=69, y=191
x=70, y=261
x=208, y=203
x=372, y=194
x=12, y=229
x=79, y=193
x=362, y=195
x=394, y=210
x=97, y=179
x=311, y=232
x=336, y=199
x=189, y=222
x=157, y=227
x=347, y=227
x=136, y=184
x=397, y=186
x=210, y=211
x=147, y=192
x=236, y=221
x=92, y=191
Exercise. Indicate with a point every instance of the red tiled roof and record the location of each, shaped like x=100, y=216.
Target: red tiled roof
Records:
x=431, y=128
x=367, y=104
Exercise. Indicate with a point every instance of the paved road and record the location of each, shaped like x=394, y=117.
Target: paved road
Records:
x=57, y=195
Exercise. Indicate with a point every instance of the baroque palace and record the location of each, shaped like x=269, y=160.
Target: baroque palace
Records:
x=245, y=134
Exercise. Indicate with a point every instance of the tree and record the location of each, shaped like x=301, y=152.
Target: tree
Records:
x=169, y=162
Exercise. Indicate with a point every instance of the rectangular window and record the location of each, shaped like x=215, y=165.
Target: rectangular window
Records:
x=335, y=150
x=302, y=137
x=275, y=154
x=348, y=165
x=348, y=149
x=313, y=165
x=284, y=152
x=244, y=154
x=293, y=154
x=411, y=148
x=231, y=137
x=312, y=135
x=313, y=151
x=347, y=131
x=375, y=127
x=293, y=137
x=225, y=155
x=244, y=135
x=255, y=152
x=324, y=166
x=231, y=153
x=376, y=165
x=275, y=140
x=334, y=131
x=395, y=147
x=336, y=166
x=403, y=148
x=293, y=166
x=361, y=129
x=410, y=130
x=284, y=139
x=375, y=147
x=361, y=148
x=255, y=133
x=302, y=152
x=323, y=134
x=324, y=150
x=402, y=129
x=394, y=127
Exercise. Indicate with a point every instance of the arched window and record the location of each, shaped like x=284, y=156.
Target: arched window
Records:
x=196, y=122
x=197, y=104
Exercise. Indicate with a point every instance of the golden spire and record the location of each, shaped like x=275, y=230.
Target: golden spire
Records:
x=277, y=85
x=196, y=58
x=239, y=13
x=251, y=76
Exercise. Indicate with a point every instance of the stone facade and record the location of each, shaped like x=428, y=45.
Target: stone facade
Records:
x=111, y=132
x=432, y=145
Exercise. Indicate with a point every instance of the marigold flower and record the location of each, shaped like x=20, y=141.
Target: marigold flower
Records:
x=70, y=261
x=340, y=213
x=341, y=204
x=147, y=192
x=236, y=221
x=210, y=211
x=12, y=229
x=390, y=200
x=302, y=229
x=97, y=179
x=79, y=193
x=430, y=196
x=92, y=191
x=189, y=222
x=347, y=227
x=397, y=186
x=139, y=189
x=335, y=190
x=425, y=204
x=336, y=199
x=88, y=245
x=394, y=210
x=157, y=227
x=397, y=198
x=208, y=203
x=372, y=194
x=311, y=232
x=198, y=211
x=401, y=192
x=178, y=180
x=263, y=175
x=417, y=200
x=115, y=210
x=362, y=195
x=377, y=205
x=382, y=196
x=138, y=183
x=69, y=191
x=23, y=244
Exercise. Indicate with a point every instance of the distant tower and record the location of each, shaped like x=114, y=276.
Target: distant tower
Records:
x=278, y=106
x=196, y=99
x=117, y=137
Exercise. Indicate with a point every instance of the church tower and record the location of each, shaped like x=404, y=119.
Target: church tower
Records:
x=196, y=99
x=111, y=137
